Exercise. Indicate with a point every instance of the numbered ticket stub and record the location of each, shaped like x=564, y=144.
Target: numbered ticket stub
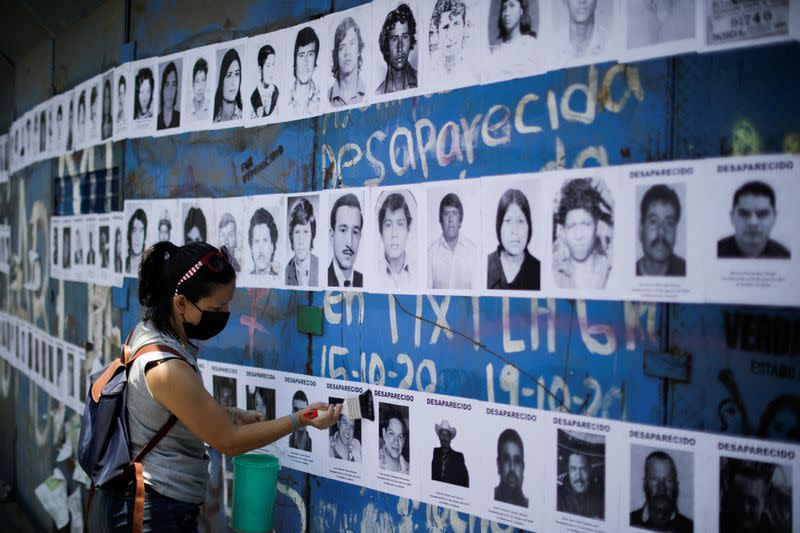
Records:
x=739, y=22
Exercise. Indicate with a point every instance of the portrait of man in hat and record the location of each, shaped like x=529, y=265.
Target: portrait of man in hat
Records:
x=448, y=465
x=581, y=474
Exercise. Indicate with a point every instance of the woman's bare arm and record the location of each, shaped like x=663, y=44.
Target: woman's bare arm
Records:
x=177, y=387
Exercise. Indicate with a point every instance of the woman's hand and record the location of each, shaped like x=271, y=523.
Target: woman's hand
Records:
x=327, y=415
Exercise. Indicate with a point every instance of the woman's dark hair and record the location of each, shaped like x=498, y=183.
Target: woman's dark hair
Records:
x=139, y=215
x=143, y=75
x=194, y=218
x=227, y=60
x=513, y=196
x=170, y=68
x=524, y=20
x=107, y=97
x=163, y=265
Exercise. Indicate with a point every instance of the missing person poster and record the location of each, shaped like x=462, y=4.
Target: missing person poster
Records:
x=137, y=234
x=227, y=108
x=664, y=255
x=196, y=222
x=398, y=257
x=397, y=460
x=587, y=210
x=257, y=387
x=348, y=81
x=197, y=88
x=305, y=449
x=516, y=39
x=752, y=248
x=306, y=241
x=399, y=39
x=265, y=93
x=145, y=82
x=307, y=63
x=168, y=97
x=263, y=258
x=666, y=471
x=451, y=238
x=654, y=29
x=753, y=486
x=349, y=438
x=123, y=101
x=508, y=481
x=231, y=228
x=351, y=223
x=582, y=491
x=514, y=235
x=583, y=33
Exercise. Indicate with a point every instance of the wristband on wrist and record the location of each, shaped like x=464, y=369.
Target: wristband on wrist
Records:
x=294, y=421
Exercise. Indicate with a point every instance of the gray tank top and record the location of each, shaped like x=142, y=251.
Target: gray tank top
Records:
x=178, y=465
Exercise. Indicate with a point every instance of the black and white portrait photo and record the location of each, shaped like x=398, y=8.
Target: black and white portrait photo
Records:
x=144, y=75
x=196, y=221
x=122, y=100
x=346, y=227
x=104, y=242
x=662, y=489
x=169, y=94
x=262, y=400
x=80, y=121
x=344, y=437
x=55, y=246
x=348, y=79
x=302, y=268
x=581, y=474
x=224, y=390
x=66, y=247
x=227, y=103
x=118, y=247
x=394, y=449
x=583, y=30
x=510, y=469
x=164, y=225
x=511, y=261
x=661, y=22
x=583, y=234
x=662, y=230
x=453, y=223
x=754, y=496
x=453, y=42
x=263, y=257
x=263, y=82
x=303, y=82
x=231, y=227
x=136, y=239
x=95, y=95
x=91, y=245
x=300, y=439
x=753, y=215
x=398, y=25
x=515, y=45
x=107, y=107
x=199, y=69
x=397, y=258
x=70, y=140
x=447, y=464
x=78, y=250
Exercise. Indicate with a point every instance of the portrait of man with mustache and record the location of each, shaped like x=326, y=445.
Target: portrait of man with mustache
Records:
x=660, y=213
x=345, y=236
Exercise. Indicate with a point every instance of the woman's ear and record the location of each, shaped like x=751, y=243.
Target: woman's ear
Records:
x=179, y=302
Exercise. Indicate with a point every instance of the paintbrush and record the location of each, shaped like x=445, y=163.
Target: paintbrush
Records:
x=354, y=408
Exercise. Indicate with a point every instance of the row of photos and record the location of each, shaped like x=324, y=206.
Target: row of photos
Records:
x=383, y=50
x=533, y=469
x=715, y=230
x=528, y=468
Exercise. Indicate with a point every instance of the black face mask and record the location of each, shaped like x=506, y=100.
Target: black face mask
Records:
x=211, y=324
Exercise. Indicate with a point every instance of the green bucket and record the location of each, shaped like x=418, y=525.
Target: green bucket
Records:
x=255, y=479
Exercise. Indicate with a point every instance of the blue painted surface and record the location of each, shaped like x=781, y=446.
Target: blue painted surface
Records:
x=689, y=106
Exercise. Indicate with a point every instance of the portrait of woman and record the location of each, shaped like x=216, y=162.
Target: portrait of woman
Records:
x=194, y=227
x=265, y=95
x=137, y=231
x=143, y=101
x=168, y=115
x=118, y=251
x=106, y=128
x=511, y=266
x=228, y=98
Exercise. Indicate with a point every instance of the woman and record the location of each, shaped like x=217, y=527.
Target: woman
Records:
x=118, y=251
x=514, y=31
x=143, y=102
x=185, y=292
x=228, y=98
x=106, y=128
x=511, y=266
x=137, y=233
x=168, y=116
x=265, y=95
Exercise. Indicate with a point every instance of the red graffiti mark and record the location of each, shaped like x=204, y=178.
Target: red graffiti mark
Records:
x=250, y=321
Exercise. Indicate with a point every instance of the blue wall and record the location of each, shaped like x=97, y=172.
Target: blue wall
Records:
x=604, y=359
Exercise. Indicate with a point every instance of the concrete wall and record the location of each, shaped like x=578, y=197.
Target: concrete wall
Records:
x=591, y=354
